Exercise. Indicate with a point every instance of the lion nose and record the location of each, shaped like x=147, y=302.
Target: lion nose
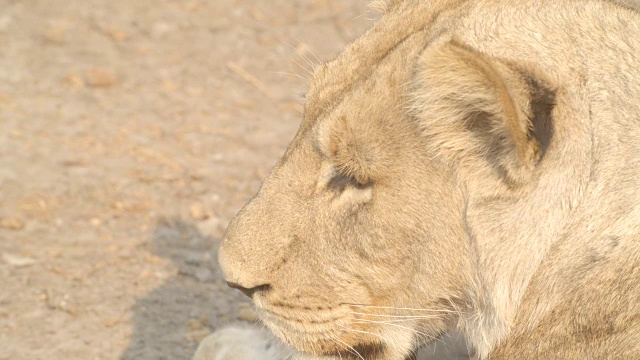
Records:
x=239, y=272
x=250, y=256
x=249, y=291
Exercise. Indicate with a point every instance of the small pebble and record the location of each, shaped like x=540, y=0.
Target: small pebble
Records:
x=11, y=223
x=210, y=227
x=55, y=35
x=198, y=212
x=239, y=343
x=197, y=329
x=5, y=23
x=100, y=78
x=204, y=275
x=17, y=260
x=116, y=34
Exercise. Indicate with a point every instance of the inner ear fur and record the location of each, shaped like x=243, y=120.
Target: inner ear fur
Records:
x=482, y=111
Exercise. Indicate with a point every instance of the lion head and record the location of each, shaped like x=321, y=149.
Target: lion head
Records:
x=424, y=135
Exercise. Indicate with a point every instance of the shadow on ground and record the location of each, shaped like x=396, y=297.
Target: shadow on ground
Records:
x=170, y=321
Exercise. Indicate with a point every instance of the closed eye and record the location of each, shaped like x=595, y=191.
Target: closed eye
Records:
x=340, y=182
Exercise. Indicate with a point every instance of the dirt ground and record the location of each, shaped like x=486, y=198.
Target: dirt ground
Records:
x=132, y=132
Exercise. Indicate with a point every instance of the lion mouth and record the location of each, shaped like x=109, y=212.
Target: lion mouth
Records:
x=333, y=332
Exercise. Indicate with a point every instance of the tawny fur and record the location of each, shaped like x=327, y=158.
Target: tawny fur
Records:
x=464, y=165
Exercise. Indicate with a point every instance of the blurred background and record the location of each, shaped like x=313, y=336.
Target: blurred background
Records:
x=132, y=132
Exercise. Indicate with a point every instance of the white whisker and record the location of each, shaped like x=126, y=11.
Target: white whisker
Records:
x=398, y=316
x=363, y=332
x=288, y=74
x=404, y=327
x=391, y=321
x=336, y=340
x=302, y=67
x=310, y=51
x=401, y=308
x=304, y=57
x=313, y=346
x=355, y=352
x=361, y=16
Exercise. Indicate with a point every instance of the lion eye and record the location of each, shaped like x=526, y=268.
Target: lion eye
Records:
x=340, y=182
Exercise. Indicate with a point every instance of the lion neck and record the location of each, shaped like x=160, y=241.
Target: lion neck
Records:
x=511, y=233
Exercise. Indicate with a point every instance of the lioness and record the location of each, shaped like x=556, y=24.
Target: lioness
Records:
x=470, y=165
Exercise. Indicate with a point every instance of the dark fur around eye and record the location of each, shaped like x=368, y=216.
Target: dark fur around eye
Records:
x=340, y=182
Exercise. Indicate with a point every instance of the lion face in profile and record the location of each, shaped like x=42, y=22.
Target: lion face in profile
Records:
x=354, y=220
x=409, y=202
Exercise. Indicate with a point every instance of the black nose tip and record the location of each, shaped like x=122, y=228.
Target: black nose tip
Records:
x=249, y=292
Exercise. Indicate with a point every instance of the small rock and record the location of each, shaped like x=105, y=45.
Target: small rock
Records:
x=11, y=223
x=210, y=226
x=115, y=34
x=197, y=329
x=192, y=6
x=5, y=22
x=161, y=29
x=246, y=313
x=239, y=343
x=74, y=81
x=55, y=35
x=199, y=212
x=100, y=78
x=54, y=252
x=17, y=260
x=112, y=322
x=195, y=257
x=203, y=275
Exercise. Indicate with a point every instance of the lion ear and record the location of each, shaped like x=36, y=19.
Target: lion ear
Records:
x=478, y=110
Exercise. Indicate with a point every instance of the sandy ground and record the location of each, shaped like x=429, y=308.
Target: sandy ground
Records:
x=132, y=132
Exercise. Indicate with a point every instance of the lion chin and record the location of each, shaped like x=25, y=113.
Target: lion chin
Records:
x=466, y=167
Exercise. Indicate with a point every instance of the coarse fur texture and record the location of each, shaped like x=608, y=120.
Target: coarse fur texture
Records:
x=464, y=165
